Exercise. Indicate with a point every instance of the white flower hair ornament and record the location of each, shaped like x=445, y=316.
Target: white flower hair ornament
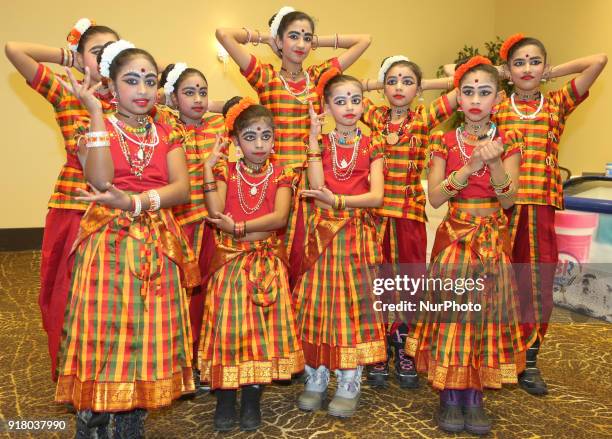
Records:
x=109, y=53
x=278, y=18
x=387, y=65
x=173, y=76
x=77, y=32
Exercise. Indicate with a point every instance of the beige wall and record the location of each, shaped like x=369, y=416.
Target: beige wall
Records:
x=427, y=33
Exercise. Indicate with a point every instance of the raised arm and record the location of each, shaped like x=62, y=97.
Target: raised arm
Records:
x=233, y=40
x=355, y=45
x=26, y=57
x=588, y=69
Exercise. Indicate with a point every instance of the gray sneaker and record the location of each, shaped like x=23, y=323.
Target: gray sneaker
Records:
x=315, y=389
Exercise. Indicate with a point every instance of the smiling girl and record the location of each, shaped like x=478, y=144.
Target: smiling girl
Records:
x=248, y=333
x=474, y=168
x=288, y=91
x=541, y=117
x=132, y=261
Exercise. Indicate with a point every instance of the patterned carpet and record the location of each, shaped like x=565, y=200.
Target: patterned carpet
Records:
x=576, y=361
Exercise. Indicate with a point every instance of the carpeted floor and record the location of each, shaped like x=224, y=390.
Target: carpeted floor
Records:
x=576, y=361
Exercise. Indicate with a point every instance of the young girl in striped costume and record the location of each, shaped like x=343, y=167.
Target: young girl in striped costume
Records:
x=186, y=89
x=85, y=41
x=541, y=117
x=287, y=92
x=248, y=333
x=339, y=328
x=464, y=348
x=127, y=340
x=405, y=133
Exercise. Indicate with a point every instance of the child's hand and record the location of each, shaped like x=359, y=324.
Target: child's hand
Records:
x=322, y=194
x=84, y=91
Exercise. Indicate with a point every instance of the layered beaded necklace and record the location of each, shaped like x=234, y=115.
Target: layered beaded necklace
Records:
x=523, y=116
x=254, y=187
x=344, y=170
x=144, y=136
x=298, y=95
x=392, y=137
x=461, y=133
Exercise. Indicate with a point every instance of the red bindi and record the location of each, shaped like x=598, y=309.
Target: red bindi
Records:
x=476, y=80
x=142, y=70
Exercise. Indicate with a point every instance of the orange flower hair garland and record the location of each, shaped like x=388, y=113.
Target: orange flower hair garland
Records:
x=507, y=45
x=236, y=110
x=472, y=62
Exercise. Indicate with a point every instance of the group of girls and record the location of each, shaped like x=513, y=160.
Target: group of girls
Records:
x=185, y=247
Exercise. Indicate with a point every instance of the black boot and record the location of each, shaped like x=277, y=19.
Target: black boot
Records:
x=404, y=364
x=450, y=416
x=476, y=419
x=377, y=374
x=531, y=380
x=250, y=410
x=225, y=411
x=130, y=425
x=85, y=428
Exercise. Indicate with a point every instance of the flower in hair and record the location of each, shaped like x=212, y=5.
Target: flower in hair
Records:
x=507, y=45
x=471, y=63
x=236, y=110
x=325, y=77
x=109, y=53
x=77, y=32
x=173, y=76
x=387, y=65
x=276, y=21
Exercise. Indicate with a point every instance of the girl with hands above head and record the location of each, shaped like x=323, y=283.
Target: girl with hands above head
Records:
x=85, y=41
x=287, y=91
x=541, y=117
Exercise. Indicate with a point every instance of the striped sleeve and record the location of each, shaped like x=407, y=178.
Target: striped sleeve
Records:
x=373, y=115
x=377, y=148
x=437, y=147
x=46, y=84
x=513, y=143
x=176, y=137
x=258, y=74
x=287, y=178
x=221, y=171
x=438, y=112
x=166, y=115
x=568, y=98
x=316, y=70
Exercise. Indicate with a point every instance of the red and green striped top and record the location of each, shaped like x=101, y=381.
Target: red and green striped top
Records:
x=540, y=179
x=68, y=110
x=198, y=142
x=291, y=116
x=404, y=194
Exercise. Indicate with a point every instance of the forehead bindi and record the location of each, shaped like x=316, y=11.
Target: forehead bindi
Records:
x=528, y=52
x=300, y=26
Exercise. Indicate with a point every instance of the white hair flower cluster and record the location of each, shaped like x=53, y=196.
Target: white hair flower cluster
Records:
x=77, y=32
x=278, y=18
x=173, y=76
x=109, y=53
x=387, y=64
